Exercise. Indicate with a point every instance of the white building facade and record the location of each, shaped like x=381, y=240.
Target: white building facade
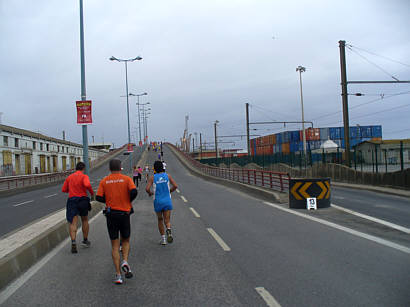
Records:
x=24, y=152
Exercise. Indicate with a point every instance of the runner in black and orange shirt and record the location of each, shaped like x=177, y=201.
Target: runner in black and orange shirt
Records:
x=78, y=203
x=118, y=191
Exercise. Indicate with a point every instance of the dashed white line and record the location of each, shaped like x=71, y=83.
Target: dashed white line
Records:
x=370, y=218
x=48, y=196
x=267, y=297
x=345, y=229
x=194, y=212
x=184, y=199
x=218, y=239
x=178, y=191
x=23, y=203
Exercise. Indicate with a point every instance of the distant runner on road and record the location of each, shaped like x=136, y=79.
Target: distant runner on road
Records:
x=162, y=200
x=118, y=191
x=78, y=203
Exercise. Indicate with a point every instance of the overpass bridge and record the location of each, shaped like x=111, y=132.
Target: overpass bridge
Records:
x=236, y=244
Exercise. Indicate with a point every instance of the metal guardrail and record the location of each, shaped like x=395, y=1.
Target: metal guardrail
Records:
x=273, y=180
x=15, y=182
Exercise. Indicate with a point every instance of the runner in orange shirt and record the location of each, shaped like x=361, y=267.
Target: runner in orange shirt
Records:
x=78, y=203
x=118, y=191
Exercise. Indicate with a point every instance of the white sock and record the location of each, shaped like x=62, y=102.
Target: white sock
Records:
x=163, y=236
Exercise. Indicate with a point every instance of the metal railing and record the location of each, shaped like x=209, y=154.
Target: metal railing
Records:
x=272, y=180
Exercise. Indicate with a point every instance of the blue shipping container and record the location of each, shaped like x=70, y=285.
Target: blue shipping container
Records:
x=366, y=131
x=295, y=136
x=324, y=134
x=279, y=138
x=336, y=133
x=354, y=132
x=285, y=137
x=377, y=131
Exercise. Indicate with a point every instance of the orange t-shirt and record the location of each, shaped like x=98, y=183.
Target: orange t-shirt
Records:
x=116, y=189
x=77, y=184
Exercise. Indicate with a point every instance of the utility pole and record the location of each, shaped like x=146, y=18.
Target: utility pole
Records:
x=83, y=91
x=200, y=145
x=193, y=145
x=342, y=45
x=247, y=128
x=216, y=141
x=301, y=69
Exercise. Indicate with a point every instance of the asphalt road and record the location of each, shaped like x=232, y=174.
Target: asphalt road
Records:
x=391, y=208
x=298, y=261
x=21, y=209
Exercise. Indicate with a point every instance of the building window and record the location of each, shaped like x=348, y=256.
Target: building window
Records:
x=5, y=141
x=58, y=148
x=48, y=147
x=16, y=142
x=34, y=145
x=41, y=146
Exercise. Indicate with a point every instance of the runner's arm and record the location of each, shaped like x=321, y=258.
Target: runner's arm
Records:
x=100, y=194
x=65, y=186
x=133, y=194
x=149, y=184
x=173, y=183
x=87, y=184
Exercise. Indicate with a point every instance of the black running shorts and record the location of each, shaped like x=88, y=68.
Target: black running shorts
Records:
x=118, y=223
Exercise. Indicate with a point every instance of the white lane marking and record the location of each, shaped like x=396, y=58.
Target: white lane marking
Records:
x=50, y=195
x=218, y=239
x=345, y=229
x=338, y=197
x=178, y=191
x=194, y=212
x=370, y=218
x=184, y=199
x=20, y=281
x=267, y=297
x=23, y=203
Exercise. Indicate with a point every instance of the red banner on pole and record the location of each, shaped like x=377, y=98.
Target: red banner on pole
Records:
x=84, y=112
x=129, y=148
x=140, y=143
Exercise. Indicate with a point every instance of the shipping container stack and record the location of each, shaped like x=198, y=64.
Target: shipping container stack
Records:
x=292, y=141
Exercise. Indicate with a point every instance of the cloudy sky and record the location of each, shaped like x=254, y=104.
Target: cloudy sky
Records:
x=204, y=58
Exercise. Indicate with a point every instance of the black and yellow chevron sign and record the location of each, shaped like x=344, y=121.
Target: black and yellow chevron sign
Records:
x=302, y=189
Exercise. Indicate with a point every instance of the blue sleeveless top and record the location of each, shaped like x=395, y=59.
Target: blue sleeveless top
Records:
x=162, y=196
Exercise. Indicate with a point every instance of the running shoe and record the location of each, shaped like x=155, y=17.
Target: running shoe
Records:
x=170, y=239
x=86, y=243
x=163, y=241
x=126, y=269
x=74, y=248
x=118, y=279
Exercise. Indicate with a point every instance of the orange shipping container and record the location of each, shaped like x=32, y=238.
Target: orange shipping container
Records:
x=272, y=139
x=311, y=134
x=286, y=147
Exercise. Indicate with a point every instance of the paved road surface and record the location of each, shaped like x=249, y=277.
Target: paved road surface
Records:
x=20, y=209
x=298, y=261
x=391, y=208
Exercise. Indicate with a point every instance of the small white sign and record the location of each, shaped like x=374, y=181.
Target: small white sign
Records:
x=311, y=203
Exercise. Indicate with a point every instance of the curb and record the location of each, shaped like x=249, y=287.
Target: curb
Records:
x=259, y=192
x=16, y=262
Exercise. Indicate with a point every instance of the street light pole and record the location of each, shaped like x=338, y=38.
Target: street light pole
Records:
x=126, y=89
x=301, y=69
x=83, y=91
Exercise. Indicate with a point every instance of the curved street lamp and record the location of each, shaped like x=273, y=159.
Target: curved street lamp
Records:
x=301, y=69
x=138, y=58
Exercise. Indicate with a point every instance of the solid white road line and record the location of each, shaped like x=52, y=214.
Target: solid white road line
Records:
x=23, y=203
x=218, y=239
x=345, y=229
x=20, y=281
x=184, y=199
x=194, y=212
x=178, y=191
x=267, y=297
x=370, y=218
x=50, y=195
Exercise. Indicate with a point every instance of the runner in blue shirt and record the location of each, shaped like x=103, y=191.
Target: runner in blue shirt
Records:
x=162, y=200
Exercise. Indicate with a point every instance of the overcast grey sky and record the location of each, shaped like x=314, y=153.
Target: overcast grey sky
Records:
x=202, y=58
